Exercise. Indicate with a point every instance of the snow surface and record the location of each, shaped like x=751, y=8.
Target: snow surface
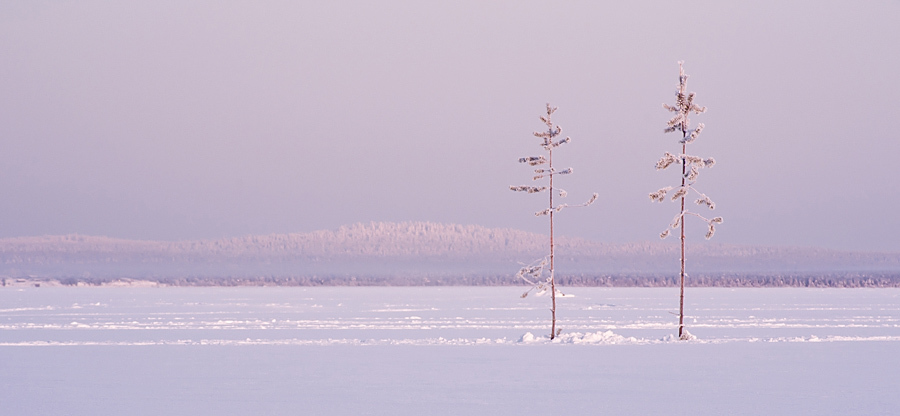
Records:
x=419, y=351
x=438, y=316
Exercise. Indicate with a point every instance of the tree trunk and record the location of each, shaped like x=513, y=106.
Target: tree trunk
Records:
x=552, y=275
x=681, y=301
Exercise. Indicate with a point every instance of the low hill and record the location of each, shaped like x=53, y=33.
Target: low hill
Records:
x=405, y=249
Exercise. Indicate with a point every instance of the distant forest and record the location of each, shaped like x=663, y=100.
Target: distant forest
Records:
x=847, y=280
x=424, y=254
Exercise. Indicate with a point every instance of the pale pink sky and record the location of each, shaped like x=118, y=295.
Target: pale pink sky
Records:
x=198, y=119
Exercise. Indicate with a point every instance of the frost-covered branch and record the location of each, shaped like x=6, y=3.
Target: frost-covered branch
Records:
x=533, y=160
x=533, y=274
x=703, y=200
x=694, y=133
x=660, y=195
x=667, y=160
x=529, y=189
x=682, y=191
x=543, y=173
x=558, y=143
x=678, y=222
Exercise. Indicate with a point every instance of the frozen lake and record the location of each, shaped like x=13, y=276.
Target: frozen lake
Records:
x=446, y=350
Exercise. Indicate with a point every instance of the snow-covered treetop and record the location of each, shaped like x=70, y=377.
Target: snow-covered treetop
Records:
x=684, y=105
x=552, y=130
x=548, y=144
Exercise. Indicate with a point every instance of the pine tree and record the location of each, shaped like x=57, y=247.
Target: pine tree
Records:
x=690, y=170
x=540, y=273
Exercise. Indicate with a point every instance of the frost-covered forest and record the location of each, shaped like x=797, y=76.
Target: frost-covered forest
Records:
x=405, y=253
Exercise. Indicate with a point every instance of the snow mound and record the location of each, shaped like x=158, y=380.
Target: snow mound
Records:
x=607, y=337
x=685, y=336
x=528, y=338
x=588, y=338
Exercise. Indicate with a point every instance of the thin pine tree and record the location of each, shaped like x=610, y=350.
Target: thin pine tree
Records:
x=540, y=274
x=690, y=170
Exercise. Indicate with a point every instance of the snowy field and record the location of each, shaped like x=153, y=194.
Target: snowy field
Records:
x=447, y=351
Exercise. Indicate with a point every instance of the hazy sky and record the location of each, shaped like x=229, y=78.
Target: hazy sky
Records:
x=204, y=119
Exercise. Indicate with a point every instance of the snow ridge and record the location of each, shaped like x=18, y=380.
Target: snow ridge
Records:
x=599, y=338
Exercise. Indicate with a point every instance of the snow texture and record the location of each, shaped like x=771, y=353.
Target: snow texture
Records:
x=423, y=351
x=437, y=316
